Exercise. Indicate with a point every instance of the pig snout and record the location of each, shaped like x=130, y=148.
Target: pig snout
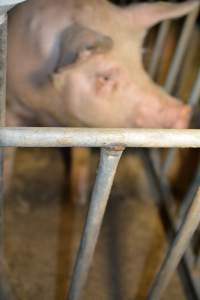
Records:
x=175, y=115
x=166, y=112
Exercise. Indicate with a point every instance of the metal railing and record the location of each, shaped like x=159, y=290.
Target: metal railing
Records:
x=112, y=143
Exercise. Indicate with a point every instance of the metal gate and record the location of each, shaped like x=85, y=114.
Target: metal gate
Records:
x=112, y=143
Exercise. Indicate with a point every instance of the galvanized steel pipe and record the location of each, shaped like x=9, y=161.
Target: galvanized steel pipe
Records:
x=176, y=250
x=5, y=5
x=180, y=51
x=159, y=45
x=163, y=199
x=3, y=39
x=107, y=168
x=98, y=137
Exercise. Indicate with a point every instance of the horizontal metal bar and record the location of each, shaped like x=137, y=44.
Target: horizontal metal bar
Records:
x=176, y=250
x=98, y=137
x=107, y=168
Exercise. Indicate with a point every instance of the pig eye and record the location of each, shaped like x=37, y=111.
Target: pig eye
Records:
x=106, y=77
x=90, y=47
x=109, y=76
x=106, y=82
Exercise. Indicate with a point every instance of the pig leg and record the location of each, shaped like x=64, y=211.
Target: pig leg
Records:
x=79, y=176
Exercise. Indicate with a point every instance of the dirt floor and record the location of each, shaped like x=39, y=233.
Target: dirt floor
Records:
x=43, y=232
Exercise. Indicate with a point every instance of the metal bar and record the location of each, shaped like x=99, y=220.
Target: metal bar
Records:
x=3, y=57
x=173, y=72
x=179, y=54
x=163, y=199
x=5, y=291
x=189, y=196
x=107, y=168
x=5, y=5
x=195, y=95
x=185, y=206
x=198, y=260
x=91, y=137
x=176, y=250
x=162, y=34
x=3, y=51
x=193, y=100
x=168, y=162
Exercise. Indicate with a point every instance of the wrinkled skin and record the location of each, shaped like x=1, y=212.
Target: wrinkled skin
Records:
x=78, y=63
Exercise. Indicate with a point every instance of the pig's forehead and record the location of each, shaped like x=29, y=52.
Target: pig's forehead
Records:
x=125, y=43
x=104, y=19
x=126, y=40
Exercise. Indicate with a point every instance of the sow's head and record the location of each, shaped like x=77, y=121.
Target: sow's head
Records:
x=99, y=70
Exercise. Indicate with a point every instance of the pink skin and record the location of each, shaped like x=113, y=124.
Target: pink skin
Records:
x=57, y=77
x=105, y=86
x=109, y=88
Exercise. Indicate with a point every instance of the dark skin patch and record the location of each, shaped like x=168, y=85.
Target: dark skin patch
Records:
x=76, y=39
x=73, y=41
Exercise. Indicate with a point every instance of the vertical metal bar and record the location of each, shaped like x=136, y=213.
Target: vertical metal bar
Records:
x=153, y=67
x=168, y=161
x=3, y=51
x=5, y=292
x=163, y=197
x=173, y=72
x=185, y=206
x=178, y=57
x=195, y=95
x=3, y=57
x=107, y=168
x=176, y=250
x=198, y=260
x=193, y=100
x=162, y=34
x=189, y=196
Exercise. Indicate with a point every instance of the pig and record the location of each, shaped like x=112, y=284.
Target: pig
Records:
x=79, y=63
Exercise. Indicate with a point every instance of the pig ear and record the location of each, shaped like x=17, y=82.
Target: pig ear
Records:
x=78, y=41
x=148, y=14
